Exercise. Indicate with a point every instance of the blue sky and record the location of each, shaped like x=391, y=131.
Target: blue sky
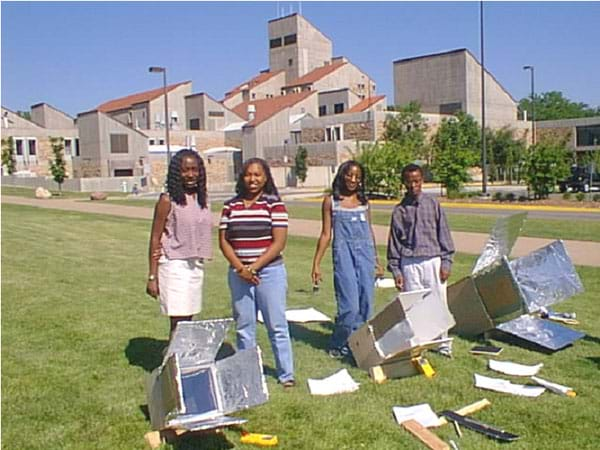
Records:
x=76, y=55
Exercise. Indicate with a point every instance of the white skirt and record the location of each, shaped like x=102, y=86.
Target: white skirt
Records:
x=180, y=285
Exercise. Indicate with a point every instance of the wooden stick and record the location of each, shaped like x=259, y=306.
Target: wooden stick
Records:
x=424, y=435
x=469, y=409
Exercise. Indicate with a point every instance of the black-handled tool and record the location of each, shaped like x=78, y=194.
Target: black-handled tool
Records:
x=479, y=427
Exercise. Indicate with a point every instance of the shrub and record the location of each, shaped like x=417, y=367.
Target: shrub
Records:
x=580, y=196
x=567, y=196
x=523, y=198
x=498, y=196
x=511, y=197
x=596, y=198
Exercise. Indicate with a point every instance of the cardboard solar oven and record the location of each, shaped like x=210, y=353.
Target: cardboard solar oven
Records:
x=500, y=298
x=192, y=391
x=395, y=338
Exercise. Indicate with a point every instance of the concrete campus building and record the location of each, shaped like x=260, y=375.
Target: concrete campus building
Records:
x=307, y=97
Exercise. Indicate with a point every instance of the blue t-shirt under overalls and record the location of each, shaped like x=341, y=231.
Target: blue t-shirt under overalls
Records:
x=353, y=270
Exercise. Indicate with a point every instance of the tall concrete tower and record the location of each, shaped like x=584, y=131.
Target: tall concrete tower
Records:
x=296, y=46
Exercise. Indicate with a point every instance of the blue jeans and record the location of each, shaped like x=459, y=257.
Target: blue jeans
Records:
x=353, y=273
x=270, y=298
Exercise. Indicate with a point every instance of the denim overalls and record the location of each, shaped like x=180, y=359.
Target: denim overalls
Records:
x=353, y=270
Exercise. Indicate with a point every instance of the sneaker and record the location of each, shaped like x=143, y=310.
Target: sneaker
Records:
x=444, y=351
x=289, y=384
x=339, y=353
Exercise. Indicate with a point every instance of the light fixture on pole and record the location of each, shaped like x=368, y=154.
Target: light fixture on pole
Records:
x=163, y=70
x=531, y=69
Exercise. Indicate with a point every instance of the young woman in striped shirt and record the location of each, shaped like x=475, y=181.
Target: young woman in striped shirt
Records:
x=252, y=235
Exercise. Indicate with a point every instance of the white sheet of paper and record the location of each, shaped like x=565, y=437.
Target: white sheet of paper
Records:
x=511, y=368
x=501, y=385
x=421, y=413
x=385, y=283
x=301, y=316
x=338, y=383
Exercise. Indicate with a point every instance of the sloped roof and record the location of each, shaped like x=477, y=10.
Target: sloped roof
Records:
x=316, y=74
x=366, y=103
x=130, y=100
x=268, y=107
x=252, y=83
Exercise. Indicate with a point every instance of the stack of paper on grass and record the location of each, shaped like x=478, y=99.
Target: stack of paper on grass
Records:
x=511, y=368
x=301, y=316
x=505, y=386
x=385, y=283
x=421, y=413
x=338, y=383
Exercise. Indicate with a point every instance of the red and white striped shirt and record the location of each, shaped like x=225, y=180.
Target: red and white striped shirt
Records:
x=250, y=230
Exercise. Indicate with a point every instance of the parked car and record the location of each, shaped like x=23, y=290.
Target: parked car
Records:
x=580, y=181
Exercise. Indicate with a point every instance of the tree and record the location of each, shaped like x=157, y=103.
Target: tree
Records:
x=300, y=166
x=383, y=163
x=408, y=129
x=24, y=114
x=505, y=154
x=552, y=106
x=455, y=149
x=8, y=155
x=58, y=164
x=546, y=163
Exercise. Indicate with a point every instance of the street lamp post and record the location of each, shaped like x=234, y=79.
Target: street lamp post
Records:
x=163, y=70
x=484, y=173
x=531, y=69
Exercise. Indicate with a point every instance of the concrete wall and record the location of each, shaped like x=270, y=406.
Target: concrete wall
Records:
x=431, y=81
x=500, y=108
x=48, y=117
x=347, y=76
x=206, y=109
x=111, y=184
x=311, y=50
x=567, y=129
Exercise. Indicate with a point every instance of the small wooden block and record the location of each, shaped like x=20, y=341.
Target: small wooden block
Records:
x=153, y=439
x=376, y=373
x=424, y=435
x=156, y=438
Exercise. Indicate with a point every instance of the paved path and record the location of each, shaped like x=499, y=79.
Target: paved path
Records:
x=582, y=252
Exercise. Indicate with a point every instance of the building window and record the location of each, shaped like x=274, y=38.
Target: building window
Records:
x=588, y=135
x=450, y=108
x=77, y=152
x=161, y=142
x=151, y=141
x=290, y=62
x=220, y=113
x=119, y=143
x=123, y=172
x=68, y=147
x=32, y=147
x=296, y=137
x=194, y=124
x=290, y=39
x=338, y=108
x=333, y=133
x=19, y=147
x=274, y=43
x=323, y=110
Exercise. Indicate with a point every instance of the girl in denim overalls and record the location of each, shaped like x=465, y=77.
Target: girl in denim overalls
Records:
x=355, y=261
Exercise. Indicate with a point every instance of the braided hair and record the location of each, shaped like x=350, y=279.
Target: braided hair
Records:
x=339, y=183
x=270, y=189
x=175, y=182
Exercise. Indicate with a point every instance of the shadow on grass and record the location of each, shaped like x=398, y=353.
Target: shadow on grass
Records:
x=595, y=360
x=145, y=352
x=314, y=338
x=593, y=339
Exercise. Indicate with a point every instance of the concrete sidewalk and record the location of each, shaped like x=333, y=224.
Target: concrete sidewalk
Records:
x=582, y=253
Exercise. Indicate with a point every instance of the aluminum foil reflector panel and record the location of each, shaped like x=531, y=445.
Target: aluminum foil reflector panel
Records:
x=538, y=332
x=501, y=240
x=546, y=276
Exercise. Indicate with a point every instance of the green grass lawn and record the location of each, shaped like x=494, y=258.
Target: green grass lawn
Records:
x=79, y=335
x=30, y=193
